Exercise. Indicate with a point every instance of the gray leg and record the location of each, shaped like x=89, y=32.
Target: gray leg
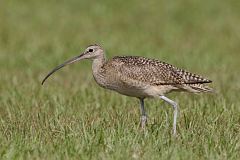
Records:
x=143, y=113
x=175, y=107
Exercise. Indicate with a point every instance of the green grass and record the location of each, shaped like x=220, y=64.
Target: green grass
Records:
x=70, y=117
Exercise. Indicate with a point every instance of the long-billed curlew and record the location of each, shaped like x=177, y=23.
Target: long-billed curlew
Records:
x=139, y=77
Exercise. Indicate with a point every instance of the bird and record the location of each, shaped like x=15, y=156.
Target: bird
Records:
x=139, y=77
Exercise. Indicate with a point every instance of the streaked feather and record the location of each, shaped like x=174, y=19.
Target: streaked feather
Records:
x=155, y=72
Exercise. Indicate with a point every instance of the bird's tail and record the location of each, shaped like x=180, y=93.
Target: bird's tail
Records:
x=201, y=88
x=196, y=88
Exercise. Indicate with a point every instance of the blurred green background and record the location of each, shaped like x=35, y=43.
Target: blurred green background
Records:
x=71, y=117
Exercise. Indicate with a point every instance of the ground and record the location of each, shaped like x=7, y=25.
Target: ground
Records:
x=70, y=117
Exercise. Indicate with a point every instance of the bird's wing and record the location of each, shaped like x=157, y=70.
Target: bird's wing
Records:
x=153, y=72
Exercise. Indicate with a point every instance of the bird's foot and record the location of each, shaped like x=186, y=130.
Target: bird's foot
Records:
x=143, y=121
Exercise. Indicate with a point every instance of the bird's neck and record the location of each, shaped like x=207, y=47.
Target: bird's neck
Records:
x=98, y=72
x=98, y=62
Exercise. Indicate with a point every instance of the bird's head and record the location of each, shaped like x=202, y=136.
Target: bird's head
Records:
x=91, y=52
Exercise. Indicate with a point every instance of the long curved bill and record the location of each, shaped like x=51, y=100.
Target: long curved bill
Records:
x=75, y=59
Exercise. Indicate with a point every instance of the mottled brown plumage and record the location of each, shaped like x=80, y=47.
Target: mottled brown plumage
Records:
x=154, y=72
x=137, y=76
x=140, y=77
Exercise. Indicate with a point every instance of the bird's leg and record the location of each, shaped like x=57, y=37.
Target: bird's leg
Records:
x=175, y=107
x=143, y=113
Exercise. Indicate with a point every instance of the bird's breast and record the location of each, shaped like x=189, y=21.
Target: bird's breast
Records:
x=141, y=91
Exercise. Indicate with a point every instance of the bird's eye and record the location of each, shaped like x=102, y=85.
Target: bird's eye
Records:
x=90, y=50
